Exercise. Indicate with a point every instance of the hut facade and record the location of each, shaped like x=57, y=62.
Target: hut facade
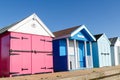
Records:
x=101, y=51
x=115, y=50
x=72, y=49
x=26, y=48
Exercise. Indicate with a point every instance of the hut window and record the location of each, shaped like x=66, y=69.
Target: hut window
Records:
x=62, y=44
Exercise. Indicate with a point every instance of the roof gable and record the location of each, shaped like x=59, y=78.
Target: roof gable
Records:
x=76, y=32
x=65, y=32
x=102, y=36
x=85, y=33
x=97, y=36
x=30, y=25
x=113, y=40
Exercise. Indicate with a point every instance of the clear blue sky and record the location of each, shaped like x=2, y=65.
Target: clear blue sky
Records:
x=99, y=16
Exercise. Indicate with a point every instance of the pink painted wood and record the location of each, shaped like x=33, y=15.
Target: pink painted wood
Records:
x=48, y=43
x=5, y=56
x=15, y=57
x=38, y=60
x=48, y=57
x=26, y=54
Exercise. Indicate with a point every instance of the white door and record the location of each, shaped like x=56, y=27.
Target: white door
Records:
x=71, y=55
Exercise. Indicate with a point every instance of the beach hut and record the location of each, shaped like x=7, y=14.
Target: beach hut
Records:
x=26, y=48
x=101, y=51
x=72, y=49
x=115, y=50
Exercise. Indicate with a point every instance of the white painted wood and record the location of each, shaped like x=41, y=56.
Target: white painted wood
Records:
x=71, y=47
x=86, y=54
x=67, y=40
x=72, y=57
x=81, y=28
x=104, y=52
x=91, y=55
x=114, y=50
x=32, y=25
x=76, y=56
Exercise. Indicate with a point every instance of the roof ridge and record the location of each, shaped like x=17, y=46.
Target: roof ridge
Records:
x=68, y=28
x=65, y=32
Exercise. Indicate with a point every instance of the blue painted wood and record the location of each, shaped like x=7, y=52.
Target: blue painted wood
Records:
x=101, y=52
x=59, y=61
x=81, y=54
x=79, y=36
x=95, y=54
x=62, y=45
x=82, y=35
x=88, y=49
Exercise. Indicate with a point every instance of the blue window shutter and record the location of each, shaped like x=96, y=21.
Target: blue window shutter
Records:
x=62, y=46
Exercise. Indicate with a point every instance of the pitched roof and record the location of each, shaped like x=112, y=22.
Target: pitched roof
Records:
x=113, y=40
x=41, y=28
x=97, y=36
x=7, y=27
x=65, y=31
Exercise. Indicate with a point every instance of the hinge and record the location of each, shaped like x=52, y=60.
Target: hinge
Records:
x=50, y=68
x=13, y=37
x=24, y=69
x=23, y=38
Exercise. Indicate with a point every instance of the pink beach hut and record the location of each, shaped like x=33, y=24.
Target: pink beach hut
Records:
x=26, y=48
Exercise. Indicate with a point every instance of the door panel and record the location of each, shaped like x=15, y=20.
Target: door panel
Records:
x=49, y=62
x=15, y=57
x=26, y=53
x=48, y=44
x=26, y=63
x=15, y=63
x=71, y=55
x=38, y=43
x=20, y=53
x=38, y=63
x=15, y=40
x=82, y=54
x=26, y=42
x=72, y=62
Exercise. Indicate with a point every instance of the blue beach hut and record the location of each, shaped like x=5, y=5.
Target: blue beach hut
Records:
x=72, y=49
x=101, y=51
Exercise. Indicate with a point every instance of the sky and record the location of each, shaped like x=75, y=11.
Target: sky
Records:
x=99, y=16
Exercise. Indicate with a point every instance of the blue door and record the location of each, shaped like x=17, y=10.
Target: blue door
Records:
x=81, y=54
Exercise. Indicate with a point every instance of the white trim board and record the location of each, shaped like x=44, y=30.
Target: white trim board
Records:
x=32, y=25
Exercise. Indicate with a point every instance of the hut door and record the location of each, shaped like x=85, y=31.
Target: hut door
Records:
x=81, y=54
x=26, y=54
x=71, y=55
x=118, y=54
x=15, y=57
x=38, y=55
x=48, y=56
